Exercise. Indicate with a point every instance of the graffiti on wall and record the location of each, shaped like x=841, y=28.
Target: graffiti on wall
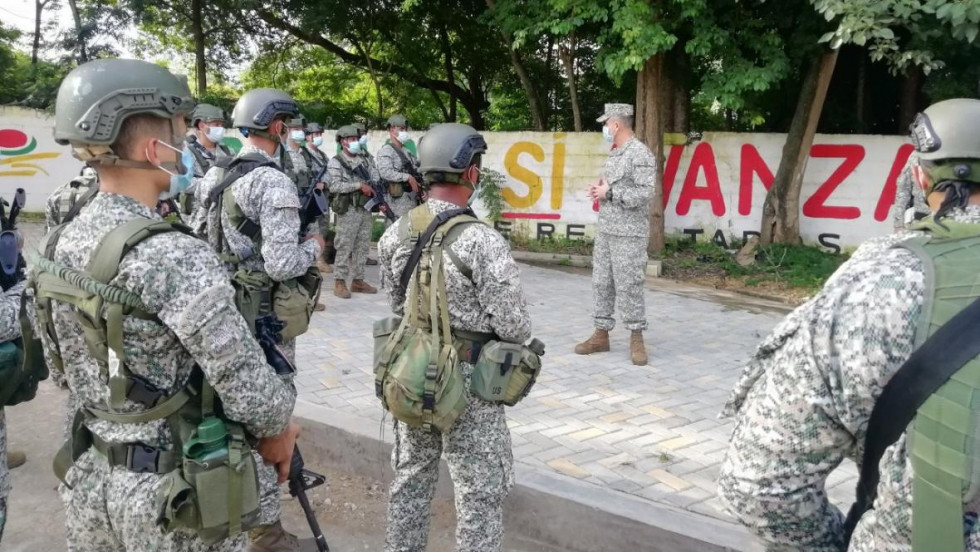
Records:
x=19, y=156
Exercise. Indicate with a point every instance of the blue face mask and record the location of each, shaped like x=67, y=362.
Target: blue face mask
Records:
x=182, y=179
x=318, y=141
x=607, y=134
x=363, y=141
x=297, y=135
x=354, y=148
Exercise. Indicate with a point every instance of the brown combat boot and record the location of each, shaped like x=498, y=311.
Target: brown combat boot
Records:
x=319, y=307
x=638, y=349
x=598, y=342
x=323, y=267
x=340, y=289
x=272, y=538
x=360, y=286
x=16, y=459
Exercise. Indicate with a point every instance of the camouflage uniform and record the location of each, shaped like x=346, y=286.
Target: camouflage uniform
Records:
x=803, y=403
x=204, y=159
x=619, y=257
x=65, y=196
x=478, y=447
x=180, y=279
x=908, y=192
x=353, y=227
x=391, y=168
x=269, y=199
x=9, y=329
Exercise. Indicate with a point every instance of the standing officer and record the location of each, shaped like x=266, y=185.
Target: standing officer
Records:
x=208, y=122
x=836, y=379
x=126, y=118
x=619, y=258
x=399, y=167
x=349, y=194
x=258, y=236
x=908, y=195
x=488, y=300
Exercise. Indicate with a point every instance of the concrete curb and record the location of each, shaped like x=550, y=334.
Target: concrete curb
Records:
x=654, y=267
x=559, y=511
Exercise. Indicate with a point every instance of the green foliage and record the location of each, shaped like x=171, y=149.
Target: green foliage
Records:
x=377, y=229
x=491, y=183
x=559, y=244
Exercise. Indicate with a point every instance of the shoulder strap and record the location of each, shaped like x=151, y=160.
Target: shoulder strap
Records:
x=406, y=162
x=81, y=202
x=104, y=263
x=453, y=234
x=237, y=167
x=946, y=351
x=413, y=260
x=195, y=148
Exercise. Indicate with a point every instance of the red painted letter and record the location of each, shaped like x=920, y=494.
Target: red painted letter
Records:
x=852, y=155
x=673, y=161
x=703, y=158
x=752, y=164
x=887, y=198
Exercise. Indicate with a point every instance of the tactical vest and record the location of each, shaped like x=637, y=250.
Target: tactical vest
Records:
x=186, y=200
x=256, y=294
x=210, y=480
x=942, y=440
x=416, y=358
x=343, y=202
x=88, y=187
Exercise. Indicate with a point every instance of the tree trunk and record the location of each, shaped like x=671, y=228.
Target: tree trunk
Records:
x=681, y=68
x=197, y=29
x=476, y=101
x=38, y=9
x=447, y=54
x=860, y=105
x=567, y=54
x=650, y=130
x=82, y=49
x=909, y=102
x=538, y=119
x=781, y=211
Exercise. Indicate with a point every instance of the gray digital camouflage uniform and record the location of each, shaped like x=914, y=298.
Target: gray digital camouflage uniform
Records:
x=478, y=447
x=64, y=197
x=204, y=159
x=181, y=280
x=268, y=198
x=907, y=194
x=803, y=403
x=619, y=257
x=353, y=227
x=9, y=329
x=392, y=169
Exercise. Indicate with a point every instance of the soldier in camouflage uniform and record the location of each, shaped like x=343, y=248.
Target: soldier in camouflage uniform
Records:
x=362, y=138
x=396, y=164
x=354, y=223
x=318, y=163
x=908, y=195
x=10, y=300
x=619, y=258
x=803, y=402
x=208, y=123
x=66, y=196
x=490, y=300
x=180, y=280
x=269, y=198
x=295, y=146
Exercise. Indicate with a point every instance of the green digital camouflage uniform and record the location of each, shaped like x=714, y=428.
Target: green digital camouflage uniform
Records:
x=353, y=228
x=478, y=447
x=803, y=403
x=182, y=281
x=393, y=169
x=619, y=256
x=907, y=194
x=9, y=329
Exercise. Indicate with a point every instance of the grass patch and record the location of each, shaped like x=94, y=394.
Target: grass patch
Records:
x=377, y=229
x=557, y=244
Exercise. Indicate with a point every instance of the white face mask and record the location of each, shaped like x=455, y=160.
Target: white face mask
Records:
x=215, y=134
x=297, y=135
x=607, y=134
x=402, y=137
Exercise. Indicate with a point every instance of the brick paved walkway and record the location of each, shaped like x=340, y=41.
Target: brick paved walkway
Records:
x=652, y=432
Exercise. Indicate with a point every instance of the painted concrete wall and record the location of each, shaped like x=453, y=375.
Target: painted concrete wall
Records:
x=715, y=185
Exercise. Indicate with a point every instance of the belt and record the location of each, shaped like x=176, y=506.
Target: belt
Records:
x=469, y=344
x=137, y=457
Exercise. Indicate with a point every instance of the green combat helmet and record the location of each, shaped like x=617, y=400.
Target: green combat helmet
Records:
x=947, y=142
x=207, y=113
x=314, y=128
x=447, y=150
x=95, y=99
x=397, y=121
x=346, y=131
x=257, y=108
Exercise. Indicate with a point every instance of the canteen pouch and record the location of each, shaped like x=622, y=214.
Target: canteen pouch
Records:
x=505, y=372
x=340, y=203
x=253, y=295
x=293, y=302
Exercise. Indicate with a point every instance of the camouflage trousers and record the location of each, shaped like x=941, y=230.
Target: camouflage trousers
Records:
x=618, y=273
x=4, y=472
x=481, y=464
x=353, y=241
x=401, y=205
x=114, y=510
x=270, y=495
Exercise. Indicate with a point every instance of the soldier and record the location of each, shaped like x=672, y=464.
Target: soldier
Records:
x=318, y=163
x=362, y=138
x=179, y=323
x=908, y=196
x=295, y=146
x=264, y=244
x=398, y=166
x=488, y=300
x=208, y=123
x=805, y=400
x=66, y=196
x=349, y=194
x=619, y=258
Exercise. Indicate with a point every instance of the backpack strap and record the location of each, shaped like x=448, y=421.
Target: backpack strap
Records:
x=423, y=239
x=204, y=162
x=222, y=196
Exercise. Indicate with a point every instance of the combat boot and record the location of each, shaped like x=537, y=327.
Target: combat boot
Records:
x=319, y=307
x=323, y=267
x=371, y=262
x=360, y=286
x=597, y=343
x=272, y=538
x=638, y=349
x=340, y=289
x=16, y=459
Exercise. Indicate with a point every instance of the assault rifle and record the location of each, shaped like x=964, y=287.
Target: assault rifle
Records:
x=378, y=203
x=314, y=205
x=267, y=330
x=8, y=221
x=12, y=263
